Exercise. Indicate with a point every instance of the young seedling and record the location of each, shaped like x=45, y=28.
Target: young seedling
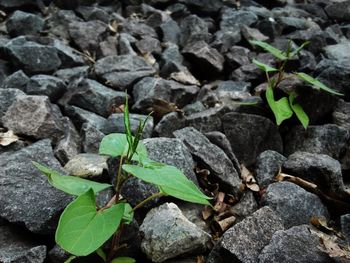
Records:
x=83, y=227
x=285, y=107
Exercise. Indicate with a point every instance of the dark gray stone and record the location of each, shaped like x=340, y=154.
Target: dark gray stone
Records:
x=46, y=85
x=172, y=152
x=90, y=95
x=251, y=135
x=69, y=74
x=21, y=23
x=327, y=139
x=341, y=114
x=122, y=71
x=209, y=154
x=58, y=255
x=171, y=31
x=293, y=204
x=268, y=165
x=291, y=24
x=58, y=23
x=17, y=80
x=250, y=33
x=16, y=247
x=167, y=221
x=232, y=19
x=320, y=169
x=339, y=11
x=7, y=97
x=18, y=3
x=27, y=197
x=72, y=4
x=238, y=56
x=108, y=47
x=93, y=13
x=124, y=44
x=345, y=226
x=80, y=116
x=295, y=245
x=149, y=45
x=193, y=29
x=137, y=28
x=205, y=6
x=338, y=52
x=149, y=90
x=169, y=123
x=69, y=56
x=87, y=35
x=203, y=58
x=32, y=57
x=91, y=138
x=35, y=116
x=244, y=241
x=224, y=40
x=246, y=205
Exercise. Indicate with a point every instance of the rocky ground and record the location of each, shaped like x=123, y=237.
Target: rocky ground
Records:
x=64, y=67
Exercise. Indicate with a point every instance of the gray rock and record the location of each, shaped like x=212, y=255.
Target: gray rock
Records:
x=224, y=40
x=58, y=255
x=339, y=11
x=7, y=97
x=327, y=139
x=46, y=85
x=290, y=24
x=268, y=164
x=209, y=154
x=169, y=123
x=341, y=114
x=87, y=165
x=34, y=116
x=150, y=90
x=194, y=213
x=16, y=247
x=122, y=71
x=345, y=226
x=232, y=19
x=72, y=4
x=320, y=169
x=69, y=145
x=193, y=29
x=205, y=6
x=336, y=52
x=17, y=3
x=58, y=23
x=244, y=241
x=170, y=30
x=251, y=135
x=149, y=45
x=70, y=74
x=250, y=33
x=172, y=152
x=108, y=47
x=93, y=13
x=87, y=35
x=32, y=57
x=137, y=28
x=295, y=245
x=246, y=205
x=293, y=204
x=203, y=58
x=80, y=116
x=69, y=56
x=115, y=124
x=91, y=138
x=160, y=230
x=27, y=197
x=90, y=95
x=22, y=23
x=17, y=80
x=124, y=44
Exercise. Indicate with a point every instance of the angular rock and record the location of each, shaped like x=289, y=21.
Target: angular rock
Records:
x=244, y=241
x=58, y=255
x=172, y=152
x=87, y=35
x=7, y=97
x=124, y=44
x=108, y=47
x=16, y=247
x=122, y=71
x=293, y=204
x=17, y=80
x=150, y=90
x=232, y=19
x=90, y=95
x=46, y=85
x=345, y=223
x=339, y=11
x=297, y=244
x=91, y=138
x=87, y=165
x=341, y=114
x=203, y=58
x=115, y=123
x=193, y=29
x=80, y=116
x=208, y=154
x=149, y=45
x=93, y=13
x=224, y=40
x=327, y=139
x=169, y=123
x=338, y=52
x=246, y=206
x=58, y=23
x=34, y=116
x=268, y=164
x=69, y=56
x=21, y=23
x=320, y=169
x=32, y=57
x=205, y=6
x=138, y=29
x=167, y=221
x=250, y=135
x=17, y=3
x=27, y=197
x=68, y=75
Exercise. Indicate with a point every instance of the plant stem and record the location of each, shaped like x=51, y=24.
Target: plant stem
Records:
x=147, y=200
x=119, y=177
x=115, y=243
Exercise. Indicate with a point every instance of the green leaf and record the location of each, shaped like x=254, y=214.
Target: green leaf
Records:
x=70, y=259
x=307, y=78
x=123, y=260
x=129, y=137
x=81, y=229
x=297, y=51
x=70, y=184
x=169, y=179
x=280, y=108
x=101, y=254
x=116, y=144
x=263, y=66
x=299, y=111
x=272, y=50
x=128, y=214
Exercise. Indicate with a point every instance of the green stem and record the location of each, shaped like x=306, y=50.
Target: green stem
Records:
x=147, y=200
x=119, y=177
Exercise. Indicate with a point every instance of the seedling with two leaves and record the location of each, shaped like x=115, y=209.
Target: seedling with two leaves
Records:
x=285, y=107
x=84, y=227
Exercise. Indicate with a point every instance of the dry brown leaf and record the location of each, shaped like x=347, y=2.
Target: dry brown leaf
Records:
x=249, y=179
x=113, y=26
x=162, y=107
x=149, y=58
x=332, y=248
x=290, y=178
x=226, y=223
x=8, y=138
x=200, y=259
x=321, y=223
x=220, y=206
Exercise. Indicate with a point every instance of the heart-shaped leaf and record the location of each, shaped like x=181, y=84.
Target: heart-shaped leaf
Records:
x=169, y=179
x=299, y=111
x=314, y=82
x=263, y=66
x=280, y=108
x=82, y=230
x=272, y=50
x=116, y=144
x=70, y=184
